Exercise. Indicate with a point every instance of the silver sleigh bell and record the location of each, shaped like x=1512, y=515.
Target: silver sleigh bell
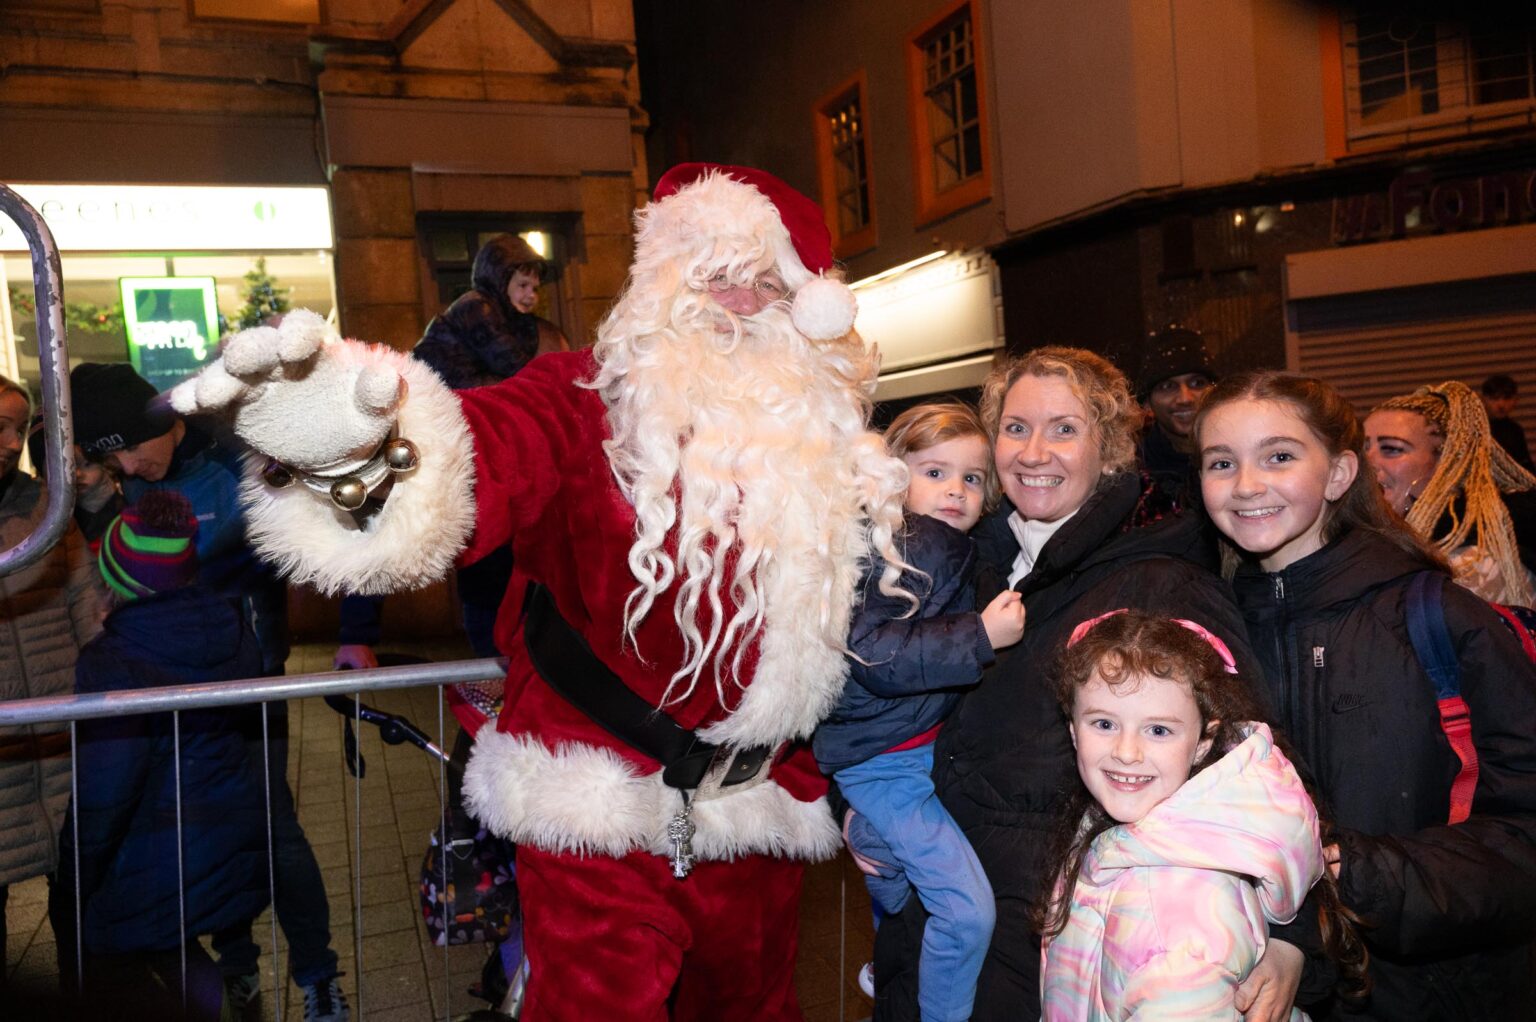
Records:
x=349, y=492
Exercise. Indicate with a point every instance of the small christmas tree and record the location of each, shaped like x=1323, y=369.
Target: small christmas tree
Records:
x=263, y=297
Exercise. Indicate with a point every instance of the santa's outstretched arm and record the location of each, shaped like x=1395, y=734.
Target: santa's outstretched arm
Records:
x=331, y=494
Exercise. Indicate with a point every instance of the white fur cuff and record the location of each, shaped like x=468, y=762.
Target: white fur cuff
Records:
x=588, y=800
x=427, y=517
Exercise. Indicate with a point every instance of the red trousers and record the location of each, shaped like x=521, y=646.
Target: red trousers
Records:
x=622, y=939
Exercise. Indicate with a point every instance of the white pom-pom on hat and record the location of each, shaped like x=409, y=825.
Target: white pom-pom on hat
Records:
x=824, y=309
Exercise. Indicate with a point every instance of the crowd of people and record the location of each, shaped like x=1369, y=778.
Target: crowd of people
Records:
x=1136, y=692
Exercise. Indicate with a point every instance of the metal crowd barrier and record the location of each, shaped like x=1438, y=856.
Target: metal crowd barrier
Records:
x=175, y=699
x=59, y=459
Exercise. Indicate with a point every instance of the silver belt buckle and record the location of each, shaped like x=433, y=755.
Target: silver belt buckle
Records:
x=714, y=784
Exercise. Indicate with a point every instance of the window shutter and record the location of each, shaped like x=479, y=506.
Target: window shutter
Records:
x=1372, y=363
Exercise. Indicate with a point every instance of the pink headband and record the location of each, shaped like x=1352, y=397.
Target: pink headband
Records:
x=1227, y=661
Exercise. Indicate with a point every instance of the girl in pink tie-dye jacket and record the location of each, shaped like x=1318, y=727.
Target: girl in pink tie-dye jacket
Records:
x=1190, y=832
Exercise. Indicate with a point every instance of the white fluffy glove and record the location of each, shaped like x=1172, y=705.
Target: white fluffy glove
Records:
x=293, y=396
x=319, y=404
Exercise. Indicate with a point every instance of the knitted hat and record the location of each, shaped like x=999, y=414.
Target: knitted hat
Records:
x=1172, y=351
x=148, y=549
x=695, y=200
x=115, y=407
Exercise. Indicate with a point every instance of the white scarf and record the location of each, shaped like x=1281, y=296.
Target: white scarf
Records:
x=1032, y=537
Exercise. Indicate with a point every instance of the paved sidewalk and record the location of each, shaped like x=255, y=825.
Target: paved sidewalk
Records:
x=371, y=874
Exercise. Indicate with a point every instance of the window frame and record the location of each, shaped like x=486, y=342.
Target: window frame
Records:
x=1459, y=114
x=931, y=203
x=844, y=246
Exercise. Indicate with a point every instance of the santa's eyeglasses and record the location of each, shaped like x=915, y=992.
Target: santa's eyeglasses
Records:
x=769, y=288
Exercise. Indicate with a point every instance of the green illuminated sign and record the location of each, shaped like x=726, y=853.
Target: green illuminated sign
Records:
x=172, y=325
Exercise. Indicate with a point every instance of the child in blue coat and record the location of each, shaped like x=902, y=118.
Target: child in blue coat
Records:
x=155, y=873
x=913, y=650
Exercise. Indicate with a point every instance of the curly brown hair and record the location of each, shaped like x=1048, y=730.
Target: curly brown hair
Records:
x=1113, y=414
x=1120, y=650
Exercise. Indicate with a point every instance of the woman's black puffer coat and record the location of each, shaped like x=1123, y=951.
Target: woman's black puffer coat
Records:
x=1451, y=909
x=1003, y=758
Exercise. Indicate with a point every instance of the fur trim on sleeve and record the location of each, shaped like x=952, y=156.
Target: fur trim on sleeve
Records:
x=412, y=542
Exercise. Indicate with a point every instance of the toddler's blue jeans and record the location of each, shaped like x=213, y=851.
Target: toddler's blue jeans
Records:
x=894, y=793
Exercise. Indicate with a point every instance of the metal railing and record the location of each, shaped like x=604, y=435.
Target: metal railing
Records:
x=177, y=699
x=59, y=437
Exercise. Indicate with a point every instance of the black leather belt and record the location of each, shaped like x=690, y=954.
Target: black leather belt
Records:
x=565, y=661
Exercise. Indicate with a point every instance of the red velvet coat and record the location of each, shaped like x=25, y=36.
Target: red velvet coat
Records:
x=548, y=775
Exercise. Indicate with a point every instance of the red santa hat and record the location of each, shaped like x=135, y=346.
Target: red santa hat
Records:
x=824, y=307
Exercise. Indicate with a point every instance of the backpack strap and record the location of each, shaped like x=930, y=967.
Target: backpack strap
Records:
x=1432, y=645
x=1519, y=620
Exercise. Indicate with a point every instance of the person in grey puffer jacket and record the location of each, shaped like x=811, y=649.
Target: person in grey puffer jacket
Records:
x=47, y=612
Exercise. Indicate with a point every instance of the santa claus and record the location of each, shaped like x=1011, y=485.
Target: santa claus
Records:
x=692, y=503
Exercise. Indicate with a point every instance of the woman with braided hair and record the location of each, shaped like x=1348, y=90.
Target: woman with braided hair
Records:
x=1440, y=468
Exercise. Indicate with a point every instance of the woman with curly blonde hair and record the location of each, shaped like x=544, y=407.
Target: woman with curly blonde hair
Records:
x=1063, y=427
x=1440, y=468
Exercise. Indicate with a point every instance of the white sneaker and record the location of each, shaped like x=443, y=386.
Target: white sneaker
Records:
x=324, y=1002
x=867, y=980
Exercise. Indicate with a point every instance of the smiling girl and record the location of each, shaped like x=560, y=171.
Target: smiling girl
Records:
x=1322, y=571
x=1189, y=834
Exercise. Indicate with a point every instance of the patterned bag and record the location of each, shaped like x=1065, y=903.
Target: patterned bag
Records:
x=475, y=900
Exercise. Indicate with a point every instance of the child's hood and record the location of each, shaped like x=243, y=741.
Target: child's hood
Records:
x=1247, y=813
x=191, y=627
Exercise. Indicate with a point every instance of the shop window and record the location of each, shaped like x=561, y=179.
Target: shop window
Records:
x=947, y=85
x=93, y=309
x=842, y=146
x=285, y=12
x=1408, y=78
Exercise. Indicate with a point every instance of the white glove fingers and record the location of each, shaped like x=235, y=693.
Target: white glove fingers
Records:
x=302, y=333
x=251, y=352
x=183, y=397
x=215, y=388
x=377, y=389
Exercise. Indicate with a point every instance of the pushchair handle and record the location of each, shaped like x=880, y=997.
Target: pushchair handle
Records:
x=393, y=730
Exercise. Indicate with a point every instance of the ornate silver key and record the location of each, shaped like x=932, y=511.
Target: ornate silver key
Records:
x=680, y=832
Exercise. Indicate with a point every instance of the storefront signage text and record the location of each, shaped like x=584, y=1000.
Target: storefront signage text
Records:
x=172, y=325
x=1415, y=203
x=176, y=218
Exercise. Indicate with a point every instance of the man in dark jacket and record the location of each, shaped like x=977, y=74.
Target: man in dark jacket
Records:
x=1500, y=394
x=143, y=906
x=1174, y=377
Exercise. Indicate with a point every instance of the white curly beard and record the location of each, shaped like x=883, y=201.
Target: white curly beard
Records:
x=747, y=448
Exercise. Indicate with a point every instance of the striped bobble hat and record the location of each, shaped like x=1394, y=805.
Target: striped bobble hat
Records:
x=148, y=549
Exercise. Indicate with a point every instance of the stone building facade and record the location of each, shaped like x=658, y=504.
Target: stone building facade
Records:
x=173, y=138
